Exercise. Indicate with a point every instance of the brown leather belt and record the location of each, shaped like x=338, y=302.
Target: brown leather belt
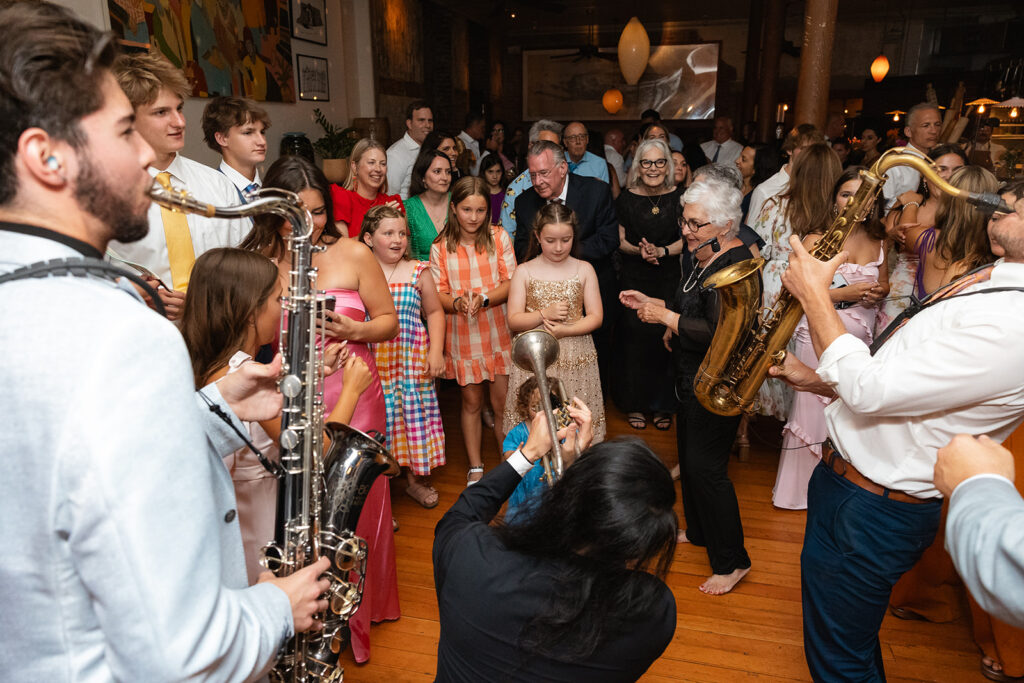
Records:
x=845, y=469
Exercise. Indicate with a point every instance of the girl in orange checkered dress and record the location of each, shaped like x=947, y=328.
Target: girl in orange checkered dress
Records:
x=472, y=263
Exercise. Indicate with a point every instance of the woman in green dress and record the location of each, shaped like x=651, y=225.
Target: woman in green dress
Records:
x=426, y=209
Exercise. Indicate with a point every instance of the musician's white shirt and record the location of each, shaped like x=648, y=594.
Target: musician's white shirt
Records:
x=900, y=179
x=205, y=184
x=123, y=557
x=956, y=367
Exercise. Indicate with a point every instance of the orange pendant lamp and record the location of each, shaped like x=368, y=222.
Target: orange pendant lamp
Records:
x=879, y=68
x=612, y=100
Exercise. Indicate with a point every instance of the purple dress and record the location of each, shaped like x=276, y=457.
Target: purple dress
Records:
x=805, y=430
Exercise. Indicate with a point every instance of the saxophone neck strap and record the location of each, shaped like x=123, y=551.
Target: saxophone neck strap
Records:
x=953, y=290
x=82, y=266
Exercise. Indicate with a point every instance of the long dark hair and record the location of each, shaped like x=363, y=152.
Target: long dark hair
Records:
x=811, y=178
x=295, y=174
x=227, y=288
x=493, y=159
x=766, y=163
x=604, y=528
x=873, y=225
x=418, y=184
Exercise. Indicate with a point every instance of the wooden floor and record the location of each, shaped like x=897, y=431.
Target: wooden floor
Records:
x=752, y=633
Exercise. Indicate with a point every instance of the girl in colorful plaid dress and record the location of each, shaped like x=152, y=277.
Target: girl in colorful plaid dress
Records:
x=409, y=363
x=472, y=263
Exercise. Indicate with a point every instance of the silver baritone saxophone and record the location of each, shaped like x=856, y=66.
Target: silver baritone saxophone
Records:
x=320, y=495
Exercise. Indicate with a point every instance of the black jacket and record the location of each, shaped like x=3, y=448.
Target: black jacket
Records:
x=591, y=199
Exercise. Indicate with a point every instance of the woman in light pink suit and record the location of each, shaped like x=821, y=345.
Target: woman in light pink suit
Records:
x=860, y=284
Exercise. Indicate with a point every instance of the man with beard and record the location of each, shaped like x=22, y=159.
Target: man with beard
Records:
x=157, y=91
x=129, y=560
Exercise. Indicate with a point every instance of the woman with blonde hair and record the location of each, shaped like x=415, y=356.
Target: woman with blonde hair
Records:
x=959, y=236
x=366, y=186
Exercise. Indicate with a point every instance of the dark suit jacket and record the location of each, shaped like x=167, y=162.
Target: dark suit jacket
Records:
x=486, y=593
x=591, y=199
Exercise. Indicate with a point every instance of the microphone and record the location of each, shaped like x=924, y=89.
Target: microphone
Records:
x=715, y=246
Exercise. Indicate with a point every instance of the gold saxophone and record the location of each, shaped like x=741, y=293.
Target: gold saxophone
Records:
x=319, y=495
x=750, y=338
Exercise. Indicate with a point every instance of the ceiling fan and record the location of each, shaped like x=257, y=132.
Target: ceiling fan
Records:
x=591, y=50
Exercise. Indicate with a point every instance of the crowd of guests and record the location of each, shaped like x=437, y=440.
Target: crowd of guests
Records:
x=606, y=250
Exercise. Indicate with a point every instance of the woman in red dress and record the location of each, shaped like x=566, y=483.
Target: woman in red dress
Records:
x=366, y=186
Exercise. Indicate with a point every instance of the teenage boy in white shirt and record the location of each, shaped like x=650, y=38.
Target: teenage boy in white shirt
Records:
x=236, y=128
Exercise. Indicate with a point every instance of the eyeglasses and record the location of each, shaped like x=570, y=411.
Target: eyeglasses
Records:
x=694, y=226
x=657, y=163
x=577, y=138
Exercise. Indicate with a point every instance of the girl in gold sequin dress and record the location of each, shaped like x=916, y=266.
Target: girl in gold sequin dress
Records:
x=556, y=291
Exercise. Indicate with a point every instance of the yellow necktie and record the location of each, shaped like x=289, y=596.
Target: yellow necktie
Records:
x=180, y=253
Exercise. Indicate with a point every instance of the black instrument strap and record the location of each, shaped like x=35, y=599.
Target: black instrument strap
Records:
x=83, y=266
x=916, y=306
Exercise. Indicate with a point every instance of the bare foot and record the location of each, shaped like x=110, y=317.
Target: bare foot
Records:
x=675, y=473
x=681, y=536
x=720, y=584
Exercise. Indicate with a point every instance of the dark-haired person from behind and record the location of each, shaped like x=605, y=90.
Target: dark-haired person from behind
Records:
x=574, y=593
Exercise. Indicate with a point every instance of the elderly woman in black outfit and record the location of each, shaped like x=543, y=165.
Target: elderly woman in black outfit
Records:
x=710, y=219
x=649, y=248
x=575, y=592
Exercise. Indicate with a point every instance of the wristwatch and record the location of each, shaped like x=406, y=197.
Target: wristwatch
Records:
x=486, y=301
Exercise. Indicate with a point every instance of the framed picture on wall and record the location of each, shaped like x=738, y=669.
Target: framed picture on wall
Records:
x=313, y=83
x=309, y=20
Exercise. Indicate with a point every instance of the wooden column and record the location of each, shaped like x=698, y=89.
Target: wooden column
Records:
x=771, y=50
x=816, y=62
x=750, y=71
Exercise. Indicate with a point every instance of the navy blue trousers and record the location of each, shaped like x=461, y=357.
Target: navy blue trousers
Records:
x=856, y=547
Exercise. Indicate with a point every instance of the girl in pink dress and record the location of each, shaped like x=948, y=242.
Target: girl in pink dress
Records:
x=364, y=313
x=861, y=283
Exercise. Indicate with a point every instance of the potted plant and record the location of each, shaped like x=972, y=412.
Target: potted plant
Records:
x=334, y=147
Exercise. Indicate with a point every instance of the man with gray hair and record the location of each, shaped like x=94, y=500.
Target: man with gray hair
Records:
x=545, y=129
x=721, y=148
x=924, y=123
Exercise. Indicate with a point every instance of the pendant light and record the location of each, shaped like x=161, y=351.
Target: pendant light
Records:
x=612, y=100
x=879, y=68
x=634, y=51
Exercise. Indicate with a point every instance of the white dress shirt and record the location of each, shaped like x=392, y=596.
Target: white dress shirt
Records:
x=956, y=367
x=774, y=186
x=473, y=146
x=124, y=553
x=900, y=179
x=617, y=162
x=205, y=184
x=401, y=157
x=237, y=179
x=728, y=151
